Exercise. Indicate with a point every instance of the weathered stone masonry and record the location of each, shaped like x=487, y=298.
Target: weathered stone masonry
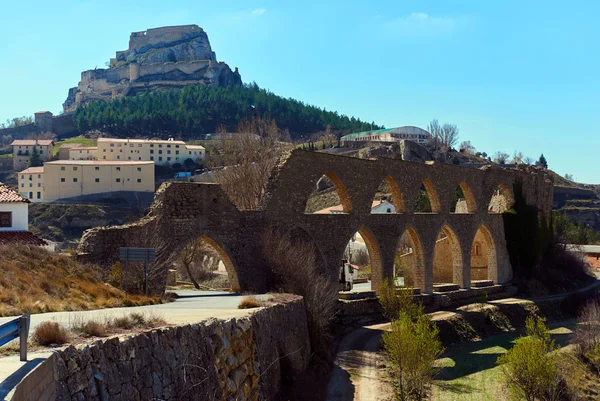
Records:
x=194, y=210
x=239, y=359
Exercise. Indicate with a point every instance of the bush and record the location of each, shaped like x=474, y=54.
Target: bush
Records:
x=48, y=333
x=249, y=303
x=530, y=370
x=587, y=334
x=413, y=345
x=395, y=300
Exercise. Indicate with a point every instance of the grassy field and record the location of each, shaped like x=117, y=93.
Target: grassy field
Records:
x=469, y=371
x=77, y=139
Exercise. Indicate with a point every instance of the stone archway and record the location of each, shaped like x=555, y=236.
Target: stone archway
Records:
x=329, y=196
x=447, y=259
x=227, y=261
x=502, y=199
x=410, y=259
x=388, y=199
x=463, y=202
x=367, y=240
x=484, y=259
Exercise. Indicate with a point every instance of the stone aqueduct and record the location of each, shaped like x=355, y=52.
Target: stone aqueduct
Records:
x=190, y=210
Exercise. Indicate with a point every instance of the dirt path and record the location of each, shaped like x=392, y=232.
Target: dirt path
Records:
x=359, y=373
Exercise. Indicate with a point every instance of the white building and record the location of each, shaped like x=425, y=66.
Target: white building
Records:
x=415, y=134
x=14, y=219
x=159, y=151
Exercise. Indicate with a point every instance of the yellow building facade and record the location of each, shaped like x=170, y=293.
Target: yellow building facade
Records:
x=65, y=179
x=158, y=151
x=23, y=149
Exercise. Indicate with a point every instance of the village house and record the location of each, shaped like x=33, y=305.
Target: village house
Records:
x=66, y=179
x=24, y=148
x=14, y=219
x=160, y=152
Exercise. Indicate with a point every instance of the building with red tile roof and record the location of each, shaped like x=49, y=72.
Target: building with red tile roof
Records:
x=14, y=219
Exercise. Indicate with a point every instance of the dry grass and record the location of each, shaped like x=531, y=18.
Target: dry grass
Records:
x=35, y=280
x=250, y=302
x=48, y=333
x=108, y=326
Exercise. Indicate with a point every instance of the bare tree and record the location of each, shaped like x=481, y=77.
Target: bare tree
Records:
x=188, y=255
x=249, y=156
x=528, y=160
x=435, y=129
x=467, y=147
x=500, y=157
x=517, y=158
x=449, y=135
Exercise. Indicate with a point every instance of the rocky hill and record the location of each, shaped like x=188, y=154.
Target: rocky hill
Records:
x=159, y=58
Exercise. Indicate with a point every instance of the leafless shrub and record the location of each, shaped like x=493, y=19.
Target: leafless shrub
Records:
x=361, y=257
x=587, y=334
x=294, y=268
x=48, y=333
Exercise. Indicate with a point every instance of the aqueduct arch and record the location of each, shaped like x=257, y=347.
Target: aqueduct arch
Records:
x=204, y=209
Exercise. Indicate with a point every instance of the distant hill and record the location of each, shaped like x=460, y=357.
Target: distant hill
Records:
x=199, y=109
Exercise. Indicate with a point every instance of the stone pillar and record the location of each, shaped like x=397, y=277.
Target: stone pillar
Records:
x=134, y=71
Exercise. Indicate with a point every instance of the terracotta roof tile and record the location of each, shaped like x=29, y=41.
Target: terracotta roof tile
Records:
x=20, y=237
x=33, y=170
x=9, y=195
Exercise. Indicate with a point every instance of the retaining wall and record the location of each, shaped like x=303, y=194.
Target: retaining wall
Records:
x=238, y=359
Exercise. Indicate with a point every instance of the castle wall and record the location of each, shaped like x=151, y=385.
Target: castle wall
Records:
x=153, y=36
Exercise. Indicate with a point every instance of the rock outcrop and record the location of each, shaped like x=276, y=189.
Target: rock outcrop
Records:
x=160, y=58
x=403, y=150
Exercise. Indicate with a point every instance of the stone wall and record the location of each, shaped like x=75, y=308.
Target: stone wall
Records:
x=238, y=359
x=191, y=210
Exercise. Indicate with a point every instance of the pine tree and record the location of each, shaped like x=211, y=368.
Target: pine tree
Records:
x=542, y=162
x=34, y=160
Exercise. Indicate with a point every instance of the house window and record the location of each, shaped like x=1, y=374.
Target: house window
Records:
x=160, y=152
x=139, y=145
x=139, y=169
x=30, y=185
x=118, y=168
x=160, y=159
x=112, y=145
x=139, y=180
x=22, y=185
x=39, y=184
x=151, y=151
x=168, y=146
x=104, y=150
x=62, y=168
x=118, y=180
x=176, y=152
x=97, y=168
x=74, y=179
x=31, y=195
x=74, y=168
x=104, y=157
x=39, y=195
x=168, y=152
x=97, y=180
x=151, y=145
x=5, y=219
x=62, y=180
x=168, y=159
x=160, y=145
x=152, y=158
x=118, y=157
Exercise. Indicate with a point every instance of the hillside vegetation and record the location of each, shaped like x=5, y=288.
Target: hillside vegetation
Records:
x=35, y=280
x=200, y=109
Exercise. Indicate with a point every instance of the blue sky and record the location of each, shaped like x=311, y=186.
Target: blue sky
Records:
x=513, y=75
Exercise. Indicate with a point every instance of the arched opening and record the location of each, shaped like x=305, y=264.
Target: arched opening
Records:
x=388, y=198
x=502, y=200
x=409, y=266
x=427, y=199
x=362, y=253
x=447, y=261
x=484, y=265
x=463, y=201
x=329, y=196
x=204, y=262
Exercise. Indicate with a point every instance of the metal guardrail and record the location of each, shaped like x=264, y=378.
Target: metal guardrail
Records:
x=16, y=328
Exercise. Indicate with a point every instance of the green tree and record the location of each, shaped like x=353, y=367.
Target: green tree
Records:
x=530, y=369
x=35, y=160
x=542, y=162
x=413, y=345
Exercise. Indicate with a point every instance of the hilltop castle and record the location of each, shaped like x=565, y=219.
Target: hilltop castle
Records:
x=159, y=58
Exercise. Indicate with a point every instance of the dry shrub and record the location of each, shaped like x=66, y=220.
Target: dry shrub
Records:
x=48, y=333
x=294, y=270
x=250, y=157
x=587, y=334
x=249, y=303
x=135, y=320
x=361, y=257
x=92, y=328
